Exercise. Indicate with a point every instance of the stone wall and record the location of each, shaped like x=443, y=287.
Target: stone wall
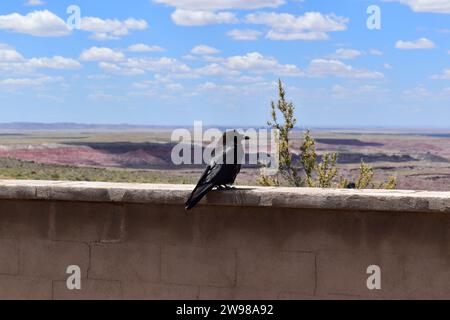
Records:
x=137, y=242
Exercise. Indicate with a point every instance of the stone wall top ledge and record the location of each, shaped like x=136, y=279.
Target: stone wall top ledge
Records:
x=333, y=199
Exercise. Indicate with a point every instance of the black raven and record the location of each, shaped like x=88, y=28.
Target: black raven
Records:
x=223, y=169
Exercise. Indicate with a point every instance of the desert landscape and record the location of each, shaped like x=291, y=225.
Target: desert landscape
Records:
x=420, y=159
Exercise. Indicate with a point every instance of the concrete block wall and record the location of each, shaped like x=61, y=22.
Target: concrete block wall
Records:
x=137, y=242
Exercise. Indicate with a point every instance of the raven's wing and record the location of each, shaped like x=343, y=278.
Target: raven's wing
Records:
x=205, y=185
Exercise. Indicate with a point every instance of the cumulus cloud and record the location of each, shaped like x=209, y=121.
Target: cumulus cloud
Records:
x=204, y=50
x=292, y=36
x=43, y=23
x=102, y=96
x=157, y=64
x=200, y=18
x=445, y=75
x=140, y=66
x=56, y=62
x=245, y=34
x=8, y=54
x=111, y=29
x=336, y=68
x=234, y=91
x=13, y=62
x=346, y=54
x=433, y=6
x=257, y=63
x=308, y=27
x=422, y=43
x=375, y=52
x=37, y=23
x=216, y=70
x=140, y=47
x=34, y=3
x=120, y=70
x=101, y=54
x=28, y=82
x=212, y=5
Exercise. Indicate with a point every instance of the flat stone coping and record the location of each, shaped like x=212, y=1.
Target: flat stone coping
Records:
x=333, y=199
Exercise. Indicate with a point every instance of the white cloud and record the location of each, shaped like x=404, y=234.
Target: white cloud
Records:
x=120, y=70
x=212, y=58
x=204, y=50
x=445, y=75
x=102, y=96
x=98, y=77
x=44, y=23
x=37, y=23
x=422, y=43
x=310, y=26
x=49, y=97
x=216, y=70
x=346, y=54
x=355, y=92
x=146, y=84
x=13, y=62
x=375, y=52
x=56, y=62
x=101, y=54
x=420, y=93
x=9, y=55
x=161, y=64
x=257, y=63
x=111, y=29
x=245, y=67
x=211, y=86
x=200, y=18
x=174, y=87
x=222, y=4
x=246, y=34
x=34, y=3
x=140, y=47
x=140, y=66
x=314, y=21
x=336, y=68
x=292, y=36
x=234, y=91
x=207, y=86
x=28, y=82
x=433, y=6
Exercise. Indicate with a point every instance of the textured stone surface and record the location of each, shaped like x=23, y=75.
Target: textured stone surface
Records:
x=9, y=257
x=214, y=293
x=151, y=291
x=373, y=200
x=199, y=266
x=50, y=259
x=137, y=242
x=127, y=261
x=25, y=288
x=276, y=270
x=24, y=221
x=90, y=290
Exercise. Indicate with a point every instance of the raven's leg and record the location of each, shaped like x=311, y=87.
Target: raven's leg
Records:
x=227, y=187
x=220, y=187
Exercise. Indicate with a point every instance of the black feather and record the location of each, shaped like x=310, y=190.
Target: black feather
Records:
x=216, y=174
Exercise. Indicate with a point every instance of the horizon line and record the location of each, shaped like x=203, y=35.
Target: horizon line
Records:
x=137, y=126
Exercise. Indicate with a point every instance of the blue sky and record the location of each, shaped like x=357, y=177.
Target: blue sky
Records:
x=171, y=62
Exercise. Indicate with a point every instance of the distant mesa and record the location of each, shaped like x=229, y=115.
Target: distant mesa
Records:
x=349, y=142
x=36, y=126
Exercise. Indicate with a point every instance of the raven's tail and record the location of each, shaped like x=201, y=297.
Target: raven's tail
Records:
x=198, y=195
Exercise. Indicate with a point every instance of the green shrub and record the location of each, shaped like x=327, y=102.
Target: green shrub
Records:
x=306, y=170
